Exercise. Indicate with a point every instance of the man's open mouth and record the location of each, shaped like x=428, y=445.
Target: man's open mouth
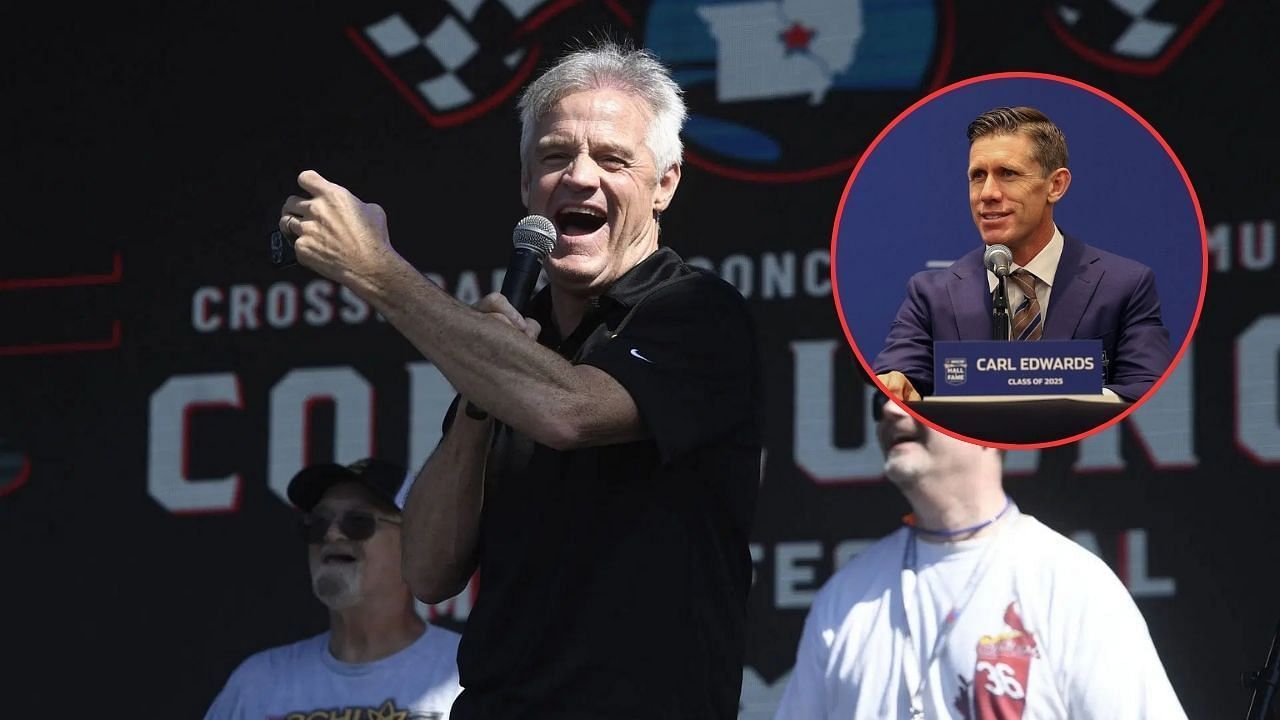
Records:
x=579, y=220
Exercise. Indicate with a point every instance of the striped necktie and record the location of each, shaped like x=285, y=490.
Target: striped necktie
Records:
x=1027, y=323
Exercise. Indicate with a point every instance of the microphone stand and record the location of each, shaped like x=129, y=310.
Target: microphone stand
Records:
x=1000, y=311
x=1264, y=681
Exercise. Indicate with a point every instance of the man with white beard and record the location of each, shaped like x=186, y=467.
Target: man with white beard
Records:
x=378, y=658
x=971, y=610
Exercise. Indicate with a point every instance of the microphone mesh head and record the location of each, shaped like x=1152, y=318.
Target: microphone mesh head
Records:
x=537, y=234
x=998, y=258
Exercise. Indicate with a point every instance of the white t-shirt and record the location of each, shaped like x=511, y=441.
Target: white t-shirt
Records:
x=291, y=682
x=1050, y=632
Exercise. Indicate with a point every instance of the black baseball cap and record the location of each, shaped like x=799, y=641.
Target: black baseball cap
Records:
x=383, y=479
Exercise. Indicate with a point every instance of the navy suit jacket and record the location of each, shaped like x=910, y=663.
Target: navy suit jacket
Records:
x=1096, y=294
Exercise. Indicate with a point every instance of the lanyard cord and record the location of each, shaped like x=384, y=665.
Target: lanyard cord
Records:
x=910, y=520
x=910, y=577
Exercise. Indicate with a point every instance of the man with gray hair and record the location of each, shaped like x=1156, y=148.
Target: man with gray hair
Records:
x=606, y=495
x=378, y=658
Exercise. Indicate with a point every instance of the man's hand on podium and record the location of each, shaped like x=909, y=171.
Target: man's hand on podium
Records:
x=899, y=386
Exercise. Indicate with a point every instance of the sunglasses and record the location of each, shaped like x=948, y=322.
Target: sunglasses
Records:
x=355, y=525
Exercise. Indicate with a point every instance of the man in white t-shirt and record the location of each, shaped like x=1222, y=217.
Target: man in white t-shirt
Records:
x=973, y=610
x=379, y=658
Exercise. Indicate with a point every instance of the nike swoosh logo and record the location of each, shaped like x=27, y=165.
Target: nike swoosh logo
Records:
x=636, y=353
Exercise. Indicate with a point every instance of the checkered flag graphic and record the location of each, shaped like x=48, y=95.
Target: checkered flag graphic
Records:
x=1136, y=29
x=453, y=53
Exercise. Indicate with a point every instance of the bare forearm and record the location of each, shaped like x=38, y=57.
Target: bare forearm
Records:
x=492, y=364
x=442, y=513
x=345, y=239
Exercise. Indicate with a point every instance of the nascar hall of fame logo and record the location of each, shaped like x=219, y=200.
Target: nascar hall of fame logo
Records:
x=956, y=370
x=778, y=90
x=1140, y=37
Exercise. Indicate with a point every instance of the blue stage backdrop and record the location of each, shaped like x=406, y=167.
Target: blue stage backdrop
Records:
x=907, y=209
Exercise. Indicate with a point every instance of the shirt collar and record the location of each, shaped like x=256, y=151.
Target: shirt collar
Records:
x=626, y=291
x=647, y=274
x=1044, y=265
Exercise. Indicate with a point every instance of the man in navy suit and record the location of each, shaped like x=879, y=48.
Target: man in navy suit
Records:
x=1060, y=289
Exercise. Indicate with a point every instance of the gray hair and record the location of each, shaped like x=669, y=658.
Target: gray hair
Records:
x=610, y=66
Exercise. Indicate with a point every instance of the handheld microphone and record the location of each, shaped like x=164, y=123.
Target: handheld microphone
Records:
x=532, y=241
x=998, y=258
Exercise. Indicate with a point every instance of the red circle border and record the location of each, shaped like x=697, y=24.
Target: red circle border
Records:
x=1195, y=201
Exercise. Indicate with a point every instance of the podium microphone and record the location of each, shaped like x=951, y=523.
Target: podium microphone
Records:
x=998, y=258
x=533, y=241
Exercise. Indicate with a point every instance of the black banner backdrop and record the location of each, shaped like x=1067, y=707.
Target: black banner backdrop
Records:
x=159, y=382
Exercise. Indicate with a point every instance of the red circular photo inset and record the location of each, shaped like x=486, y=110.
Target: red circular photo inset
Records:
x=1019, y=260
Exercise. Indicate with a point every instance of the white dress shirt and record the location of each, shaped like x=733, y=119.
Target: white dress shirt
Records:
x=1044, y=266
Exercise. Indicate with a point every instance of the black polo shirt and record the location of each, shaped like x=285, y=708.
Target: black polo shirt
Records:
x=613, y=580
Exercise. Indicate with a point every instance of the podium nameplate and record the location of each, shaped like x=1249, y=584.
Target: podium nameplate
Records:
x=1041, y=367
